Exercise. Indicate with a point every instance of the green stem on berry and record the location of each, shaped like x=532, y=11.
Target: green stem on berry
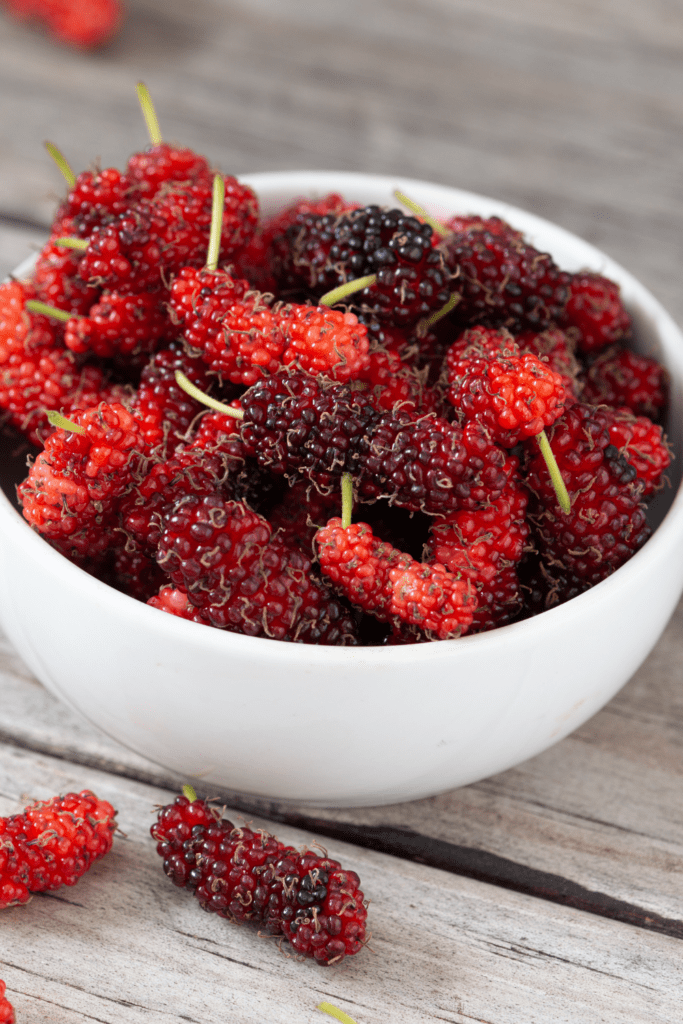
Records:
x=62, y=423
x=434, y=318
x=71, y=243
x=34, y=306
x=420, y=212
x=346, y=500
x=194, y=392
x=334, y=1011
x=189, y=792
x=61, y=162
x=344, y=290
x=555, y=476
x=149, y=114
x=217, y=204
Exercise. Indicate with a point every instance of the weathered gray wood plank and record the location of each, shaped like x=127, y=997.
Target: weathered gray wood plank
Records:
x=125, y=946
x=16, y=243
x=601, y=809
x=565, y=107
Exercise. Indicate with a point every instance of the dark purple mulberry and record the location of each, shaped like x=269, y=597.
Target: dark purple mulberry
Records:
x=413, y=278
x=303, y=426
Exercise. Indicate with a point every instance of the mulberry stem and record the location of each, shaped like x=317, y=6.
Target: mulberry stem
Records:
x=149, y=114
x=217, y=204
x=555, y=475
x=346, y=500
x=61, y=162
x=34, y=306
x=344, y=290
x=420, y=212
x=194, y=392
x=434, y=318
x=72, y=243
x=62, y=423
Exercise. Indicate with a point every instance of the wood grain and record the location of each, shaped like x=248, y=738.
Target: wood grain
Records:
x=568, y=108
x=125, y=946
x=600, y=810
x=17, y=241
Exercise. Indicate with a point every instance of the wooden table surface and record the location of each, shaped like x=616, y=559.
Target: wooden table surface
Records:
x=551, y=893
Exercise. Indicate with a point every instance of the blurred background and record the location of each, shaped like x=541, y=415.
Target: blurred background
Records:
x=572, y=109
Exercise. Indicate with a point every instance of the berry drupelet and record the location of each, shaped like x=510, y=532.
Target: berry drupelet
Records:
x=555, y=348
x=161, y=165
x=606, y=524
x=504, y=281
x=641, y=442
x=223, y=555
x=52, y=843
x=391, y=585
x=620, y=377
x=246, y=875
x=485, y=546
x=70, y=493
x=118, y=325
x=302, y=426
x=413, y=279
x=594, y=315
x=269, y=246
x=6, y=1010
x=162, y=409
x=94, y=198
x=512, y=393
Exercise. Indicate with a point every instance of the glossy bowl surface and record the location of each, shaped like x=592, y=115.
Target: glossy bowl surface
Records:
x=345, y=726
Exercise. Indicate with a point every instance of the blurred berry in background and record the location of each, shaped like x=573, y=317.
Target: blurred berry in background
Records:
x=82, y=23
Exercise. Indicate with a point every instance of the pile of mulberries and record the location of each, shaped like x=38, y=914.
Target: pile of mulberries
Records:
x=494, y=433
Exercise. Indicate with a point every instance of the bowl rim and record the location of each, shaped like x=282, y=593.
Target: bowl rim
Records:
x=300, y=183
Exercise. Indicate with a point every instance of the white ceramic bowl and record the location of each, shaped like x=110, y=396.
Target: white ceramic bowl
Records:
x=352, y=726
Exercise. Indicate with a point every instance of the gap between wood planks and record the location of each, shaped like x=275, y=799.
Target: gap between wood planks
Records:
x=11, y=220
x=404, y=843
